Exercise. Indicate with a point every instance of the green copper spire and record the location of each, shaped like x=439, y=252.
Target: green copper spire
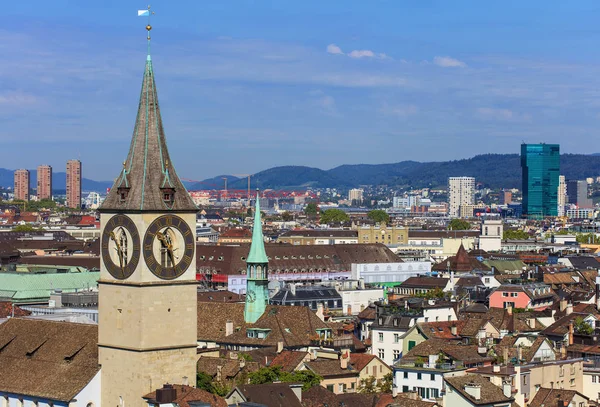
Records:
x=257, y=248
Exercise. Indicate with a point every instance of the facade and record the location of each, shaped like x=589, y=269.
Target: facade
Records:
x=562, y=195
x=74, y=184
x=473, y=390
x=355, y=196
x=355, y=301
x=461, y=191
x=577, y=194
x=491, y=235
x=44, y=182
x=540, y=164
x=147, y=289
x=529, y=296
x=390, y=235
x=257, y=283
x=309, y=237
x=22, y=185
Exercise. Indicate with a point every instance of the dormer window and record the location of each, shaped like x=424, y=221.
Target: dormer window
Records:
x=123, y=193
x=168, y=195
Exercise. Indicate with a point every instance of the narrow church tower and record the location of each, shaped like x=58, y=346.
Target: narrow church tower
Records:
x=147, y=328
x=257, y=290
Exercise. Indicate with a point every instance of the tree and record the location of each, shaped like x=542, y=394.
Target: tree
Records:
x=334, y=216
x=36, y=206
x=287, y=217
x=582, y=327
x=459, y=224
x=25, y=228
x=515, y=234
x=385, y=385
x=368, y=385
x=274, y=373
x=205, y=381
x=379, y=216
x=311, y=209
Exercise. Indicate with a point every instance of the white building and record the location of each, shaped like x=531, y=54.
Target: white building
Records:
x=354, y=301
x=355, y=194
x=491, y=235
x=562, y=195
x=461, y=191
x=374, y=273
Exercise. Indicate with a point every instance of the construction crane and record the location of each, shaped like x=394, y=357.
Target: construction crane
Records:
x=245, y=175
x=225, y=193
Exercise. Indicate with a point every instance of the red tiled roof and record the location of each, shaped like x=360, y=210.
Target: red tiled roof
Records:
x=186, y=394
x=6, y=310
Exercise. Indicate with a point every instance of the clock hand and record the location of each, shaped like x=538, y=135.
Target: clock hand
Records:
x=118, y=248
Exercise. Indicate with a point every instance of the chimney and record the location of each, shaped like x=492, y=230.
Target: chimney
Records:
x=344, y=359
x=560, y=403
x=509, y=310
x=320, y=312
x=349, y=310
x=242, y=363
x=505, y=355
x=519, y=354
x=166, y=395
x=454, y=330
x=481, y=334
x=279, y=347
x=531, y=322
x=473, y=390
x=293, y=289
x=569, y=308
x=496, y=369
x=394, y=391
x=571, y=333
x=507, y=389
x=229, y=328
x=598, y=291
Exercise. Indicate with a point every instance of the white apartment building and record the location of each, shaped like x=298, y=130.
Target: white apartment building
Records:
x=461, y=191
x=355, y=194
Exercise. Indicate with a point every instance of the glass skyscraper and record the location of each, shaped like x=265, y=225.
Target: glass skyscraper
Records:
x=541, y=166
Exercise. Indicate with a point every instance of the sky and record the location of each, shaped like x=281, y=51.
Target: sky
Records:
x=249, y=85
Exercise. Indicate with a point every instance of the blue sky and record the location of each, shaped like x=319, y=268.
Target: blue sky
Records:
x=248, y=85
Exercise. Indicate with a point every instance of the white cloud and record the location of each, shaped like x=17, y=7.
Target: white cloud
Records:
x=334, y=49
x=400, y=110
x=17, y=99
x=365, y=53
x=502, y=114
x=447, y=62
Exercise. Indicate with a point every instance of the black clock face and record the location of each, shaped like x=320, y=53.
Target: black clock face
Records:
x=169, y=246
x=120, y=247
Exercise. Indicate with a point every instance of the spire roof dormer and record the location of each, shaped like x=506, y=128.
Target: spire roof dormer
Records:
x=257, y=248
x=148, y=181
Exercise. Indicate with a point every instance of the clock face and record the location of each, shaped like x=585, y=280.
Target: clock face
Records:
x=251, y=296
x=120, y=247
x=169, y=246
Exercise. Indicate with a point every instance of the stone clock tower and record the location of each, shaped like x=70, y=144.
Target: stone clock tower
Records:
x=147, y=305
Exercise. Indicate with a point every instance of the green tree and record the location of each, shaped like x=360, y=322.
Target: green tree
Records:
x=515, y=234
x=311, y=209
x=587, y=238
x=459, y=224
x=287, y=217
x=36, y=206
x=334, y=216
x=368, y=385
x=204, y=381
x=271, y=374
x=26, y=228
x=582, y=327
x=379, y=216
x=385, y=385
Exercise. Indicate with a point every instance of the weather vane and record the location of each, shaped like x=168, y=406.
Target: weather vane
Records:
x=146, y=13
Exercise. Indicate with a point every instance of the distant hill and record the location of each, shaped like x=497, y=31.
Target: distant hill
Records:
x=212, y=183
x=59, y=181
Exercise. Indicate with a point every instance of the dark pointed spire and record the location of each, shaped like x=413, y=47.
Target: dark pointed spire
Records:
x=148, y=181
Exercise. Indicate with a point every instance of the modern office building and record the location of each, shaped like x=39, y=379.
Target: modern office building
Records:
x=44, y=182
x=461, y=191
x=562, y=195
x=22, y=185
x=74, y=184
x=540, y=164
x=355, y=196
x=577, y=194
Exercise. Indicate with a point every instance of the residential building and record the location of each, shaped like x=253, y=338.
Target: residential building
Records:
x=22, y=185
x=438, y=245
x=355, y=196
x=461, y=191
x=474, y=390
x=577, y=194
x=566, y=397
x=540, y=164
x=268, y=394
x=234, y=235
x=74, y=184
x=390, y=273
x=302, y=237
x=354, y=301
x=505, y=197
x=309, y=296
x=44, y=182
x=48, y=363
x=369, y=366
x=491, y=235
x=388, y=235
x=177, y=395
x=339, y=376
x=562, y=195
x=535, y=296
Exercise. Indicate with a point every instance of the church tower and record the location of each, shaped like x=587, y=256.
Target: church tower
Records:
x=257, y=267
x=147, y=288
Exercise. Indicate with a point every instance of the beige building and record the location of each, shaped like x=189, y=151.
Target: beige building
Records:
x=22, y=185
x=438, y=245
x=355, y=196
x=461, y=191
x=44, y=182
x=310, y=237
x=390, y=235
x=74, y=184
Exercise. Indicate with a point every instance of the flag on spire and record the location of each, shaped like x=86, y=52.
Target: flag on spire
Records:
x=143, y=13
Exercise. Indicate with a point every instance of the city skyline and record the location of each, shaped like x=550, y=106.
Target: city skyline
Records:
x=333, y=90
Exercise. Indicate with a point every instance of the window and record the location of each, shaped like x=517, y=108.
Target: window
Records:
x=396, y=355
x=406, y=375
x=411, y=344
x=330, y=388
x=434, y=393
x=432, y=377
x=505, y=294
x=418, y=376
x=381, y=353
x=380, y=336
x=594, y=379
x=572, y=382
x=396, y=338
x=404, y=389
